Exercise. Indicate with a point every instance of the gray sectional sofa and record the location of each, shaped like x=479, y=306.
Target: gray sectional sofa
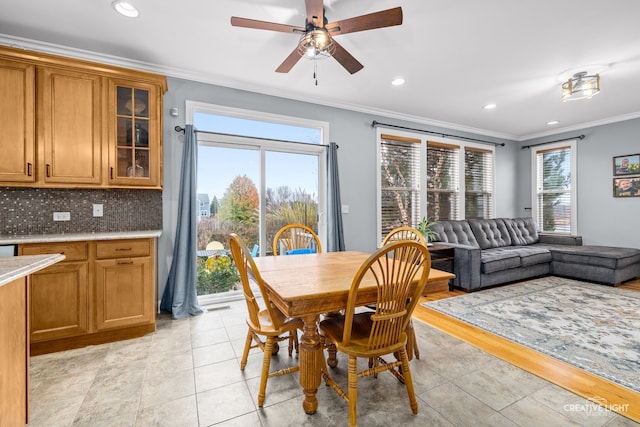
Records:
x=491, y=252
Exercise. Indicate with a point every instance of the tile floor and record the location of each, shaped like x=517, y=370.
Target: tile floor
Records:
x=187, y=374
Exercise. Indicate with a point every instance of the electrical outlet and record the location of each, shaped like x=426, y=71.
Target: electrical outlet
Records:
x=62, y=216
x=97, y=210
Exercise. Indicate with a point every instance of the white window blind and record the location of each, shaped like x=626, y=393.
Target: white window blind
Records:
x=554, y=201
x=478, y=178
x=399, y=182
x=443, y=181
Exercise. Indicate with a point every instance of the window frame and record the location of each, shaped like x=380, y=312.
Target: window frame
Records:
x=424, y=139
x=265, y=145
x=573, y=145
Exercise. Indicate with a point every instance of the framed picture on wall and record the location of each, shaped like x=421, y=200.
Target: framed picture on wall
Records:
x=628, y=186
x=626, y=165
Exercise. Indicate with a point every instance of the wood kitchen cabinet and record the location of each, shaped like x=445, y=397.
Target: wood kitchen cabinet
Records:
x=103, y=291
x=60, y=293
x=17, y=121
x=14, y=354
x=68, y=127
x=134, y=134
x=124, y=283
x=69, y=123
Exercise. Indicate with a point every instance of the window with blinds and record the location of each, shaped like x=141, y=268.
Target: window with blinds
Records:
x=554, y=183
x=478, y=179
x=399, y=182
x=443, y=181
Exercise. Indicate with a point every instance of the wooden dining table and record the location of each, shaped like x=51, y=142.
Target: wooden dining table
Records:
x=309, y=285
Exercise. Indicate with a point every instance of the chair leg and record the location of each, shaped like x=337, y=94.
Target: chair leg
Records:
x=412, y=343
x=353, y=390
x=408, y=381
x=266, y=363
x=245, y=353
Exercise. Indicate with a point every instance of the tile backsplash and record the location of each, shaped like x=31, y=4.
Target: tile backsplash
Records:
x=26, y=211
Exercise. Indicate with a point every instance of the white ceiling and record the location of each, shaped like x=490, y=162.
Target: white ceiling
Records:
x=456, y=56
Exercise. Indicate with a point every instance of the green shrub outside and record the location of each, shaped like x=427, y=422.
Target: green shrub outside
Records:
x=216, y=274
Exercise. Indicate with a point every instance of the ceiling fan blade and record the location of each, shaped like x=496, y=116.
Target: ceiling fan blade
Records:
x=315, y=8
x=264, y=25
x=385, y=18
x=345, y=59
x=289, y=62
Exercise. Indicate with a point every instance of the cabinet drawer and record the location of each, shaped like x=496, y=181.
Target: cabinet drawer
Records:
x=71, y=251
x=123, y=249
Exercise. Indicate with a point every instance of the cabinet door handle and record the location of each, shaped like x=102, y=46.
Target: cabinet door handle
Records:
x=48, y=170
x=29, y=170
x=123, y=249
x=127, y=261
x=111, y=173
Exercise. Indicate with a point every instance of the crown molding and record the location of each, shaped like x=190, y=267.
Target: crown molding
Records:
x=29, y=44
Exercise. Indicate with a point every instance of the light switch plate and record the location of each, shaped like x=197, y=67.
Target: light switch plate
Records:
x=97, y=210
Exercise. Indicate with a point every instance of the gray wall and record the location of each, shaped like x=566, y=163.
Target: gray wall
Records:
x=602, y=218
x=356, y=159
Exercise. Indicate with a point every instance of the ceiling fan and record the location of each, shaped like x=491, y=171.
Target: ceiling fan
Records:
x=317, y=36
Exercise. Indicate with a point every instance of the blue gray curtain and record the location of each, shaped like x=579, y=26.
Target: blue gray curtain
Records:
x=180, y=297
x=335, y=233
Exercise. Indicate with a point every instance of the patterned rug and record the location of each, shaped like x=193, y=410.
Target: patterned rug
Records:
x=593, y=327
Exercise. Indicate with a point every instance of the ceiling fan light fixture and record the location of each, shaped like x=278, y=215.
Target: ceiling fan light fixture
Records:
x=581, y=86
x=316, y=44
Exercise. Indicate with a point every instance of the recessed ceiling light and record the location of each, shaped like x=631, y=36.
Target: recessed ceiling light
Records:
x=125, y=8
x=553, y=122
x=489, y=106
x=398, y=82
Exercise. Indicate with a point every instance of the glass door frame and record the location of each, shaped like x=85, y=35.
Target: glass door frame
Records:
x=264, y=145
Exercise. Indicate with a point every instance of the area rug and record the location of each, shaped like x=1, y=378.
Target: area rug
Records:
x=593, y=327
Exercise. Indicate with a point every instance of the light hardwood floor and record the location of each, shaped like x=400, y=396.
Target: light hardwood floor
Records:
x=562, y=374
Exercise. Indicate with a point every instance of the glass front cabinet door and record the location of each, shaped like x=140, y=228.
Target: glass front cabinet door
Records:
x=134, y=158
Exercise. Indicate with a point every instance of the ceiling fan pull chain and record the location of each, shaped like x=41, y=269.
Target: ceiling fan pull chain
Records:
x=315, y=70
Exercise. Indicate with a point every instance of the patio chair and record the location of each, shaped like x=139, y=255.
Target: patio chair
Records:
x=296, y=239
x=394, y=269
x=407, y=233
x=214, y=246
x=266, y=321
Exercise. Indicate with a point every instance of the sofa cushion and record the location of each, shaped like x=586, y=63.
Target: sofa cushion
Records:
x=600, y=256
x=490, y=233
x=523, y=231
x=455, y=232
x=498, y=259
x=532, y=254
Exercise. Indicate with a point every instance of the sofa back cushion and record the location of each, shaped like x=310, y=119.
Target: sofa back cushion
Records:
x=455, y=232
x=490, y=233
x=523, y=231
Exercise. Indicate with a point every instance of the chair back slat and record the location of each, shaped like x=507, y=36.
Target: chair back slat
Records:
x=247, y=268
x=399, y=270
x=295, y=236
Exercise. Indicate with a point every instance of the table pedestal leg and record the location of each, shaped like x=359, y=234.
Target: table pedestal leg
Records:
x=310, y=362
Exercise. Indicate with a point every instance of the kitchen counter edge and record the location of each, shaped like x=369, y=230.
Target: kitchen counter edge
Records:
x=74, y=237
x=15, y=267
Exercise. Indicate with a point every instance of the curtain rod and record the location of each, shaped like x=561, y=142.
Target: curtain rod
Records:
x=580, y=137
x=376, y=123
x=181, y=129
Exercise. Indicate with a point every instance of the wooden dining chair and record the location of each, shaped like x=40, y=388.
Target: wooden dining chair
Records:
x=404, y=233
x=263, y=321
x=400, y=271
x=296, y=238
x=407, y=233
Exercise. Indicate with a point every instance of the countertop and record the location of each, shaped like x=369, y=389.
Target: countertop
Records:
x=14, y=267
x=74, y=237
